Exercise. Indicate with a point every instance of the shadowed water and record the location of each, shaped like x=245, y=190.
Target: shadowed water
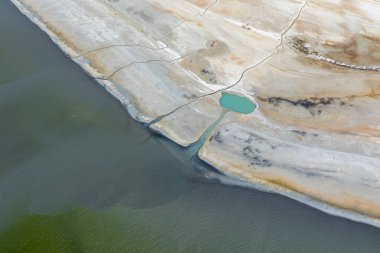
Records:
x=78, y=175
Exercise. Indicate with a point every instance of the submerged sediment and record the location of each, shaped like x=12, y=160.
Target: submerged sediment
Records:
x=306, y=72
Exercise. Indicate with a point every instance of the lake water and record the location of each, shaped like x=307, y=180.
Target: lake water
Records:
x=77, y=174
x=237, y=103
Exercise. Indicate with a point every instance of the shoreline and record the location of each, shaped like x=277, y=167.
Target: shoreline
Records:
x=230, y=178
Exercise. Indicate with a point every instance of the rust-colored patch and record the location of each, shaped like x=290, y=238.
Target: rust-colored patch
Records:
x=97, y=63
x=200, y=3
x=236, y=59
x=343, y=8
x=321, y=121
x=341, y=200
x=307, y=26
x=199, y=63
x=358, y=50
x=345, y=200
x=169, y=12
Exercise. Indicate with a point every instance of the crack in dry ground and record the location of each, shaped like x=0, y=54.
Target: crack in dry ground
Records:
x=149, y=61
x=242, y=74
x=208, y=7
x=140, y=62
x=212, y=93
x=117, y=45
x=291, y=25
x=109, y=6
x=189, y=19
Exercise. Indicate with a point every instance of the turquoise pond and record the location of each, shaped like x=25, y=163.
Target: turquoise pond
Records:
x=237, y=103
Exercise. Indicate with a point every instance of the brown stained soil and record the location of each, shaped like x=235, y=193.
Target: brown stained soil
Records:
x=361, y=50
x=344, y=201
x=199, y=62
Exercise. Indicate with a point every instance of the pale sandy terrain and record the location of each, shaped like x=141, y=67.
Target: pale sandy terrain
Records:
x=313, y=68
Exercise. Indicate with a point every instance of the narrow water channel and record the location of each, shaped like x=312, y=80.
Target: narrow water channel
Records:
x=77, y=174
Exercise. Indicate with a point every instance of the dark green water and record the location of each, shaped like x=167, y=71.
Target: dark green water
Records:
x=78, y=175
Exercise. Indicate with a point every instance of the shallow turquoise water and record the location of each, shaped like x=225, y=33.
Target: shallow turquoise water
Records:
x=78, y=175
x=237, y=103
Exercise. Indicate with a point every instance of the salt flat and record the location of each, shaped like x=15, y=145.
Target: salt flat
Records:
x=312, y=67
